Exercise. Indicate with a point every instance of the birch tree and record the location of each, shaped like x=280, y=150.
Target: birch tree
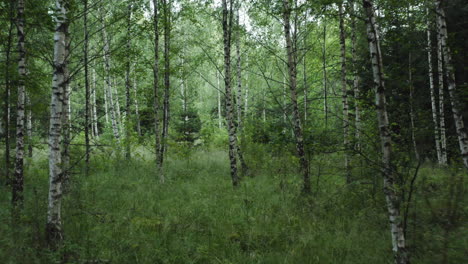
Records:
x=54, y=220
x=109, y=87
x=344, y=93
x=292, y=75
x=435, y=115
x=128, y=86
x=450, y=75
x=17, y=195
x=227, y=34
x=389, y=177
x=156, y=106
x=440, y=72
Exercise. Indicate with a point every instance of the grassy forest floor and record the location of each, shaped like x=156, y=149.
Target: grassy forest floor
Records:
x=120, y=213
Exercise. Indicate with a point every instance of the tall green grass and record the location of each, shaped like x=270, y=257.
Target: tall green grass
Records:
x=121, y=213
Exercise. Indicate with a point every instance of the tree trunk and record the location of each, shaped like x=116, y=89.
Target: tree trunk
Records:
x=440, y=71
x=66, y=116
x=239, y=70
x=357, y=92
x=8, y=91
x=344, y=95
x=109, y=96
x=220, y=117
x=156, y=90
x=128, y=87
x=87, y=93
x=391, y=196
x=412, y=115
x=135, y=101
x=450, y=75
x=167, y=84
x=94, y=107
x=292, y=70
x=29, y=126
x=435, y=115
x=324, y=69
x=54, y=221
x=227, y=33
x=17, y=191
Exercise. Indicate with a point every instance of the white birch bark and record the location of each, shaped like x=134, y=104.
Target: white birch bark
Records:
x=227, y=33
x=17, y=190
x=109, y=90
x=29, y=126
x=356, y=89
x=389, y=188
x=135, y=101
x=292, y=74
x=344, y=95
x=220, y=117
x=450, y=75
x=435, y=115
x=440, y=72
x=54, y=220
x=94, y=106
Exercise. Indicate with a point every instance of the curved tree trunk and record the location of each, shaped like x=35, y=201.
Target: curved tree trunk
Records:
x=391, y=196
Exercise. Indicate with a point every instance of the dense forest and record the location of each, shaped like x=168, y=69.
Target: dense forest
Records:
x=233, y=131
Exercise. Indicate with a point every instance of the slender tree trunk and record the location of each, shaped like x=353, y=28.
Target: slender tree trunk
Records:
x=116, y=100
x=344, y=95
x=391, y=196
x=167, y=84
x=87, y=91
x=106, y=104
x=357, y=92
x=127, y=88
x=156, y=106
x=292, y=70
x=220, y=117
x=54, y=220
x=324, y=69
x=435, y=115
x=66, y=116
x=17, y=190
x=304, y=73
x=8, y=91
x=440, y=71
x=450, y=75
x=239, y=69
x=412, y=116
x=94, y=108
x=109, y=96
x=227, y=33
x=135, y=101
x=29, y=126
